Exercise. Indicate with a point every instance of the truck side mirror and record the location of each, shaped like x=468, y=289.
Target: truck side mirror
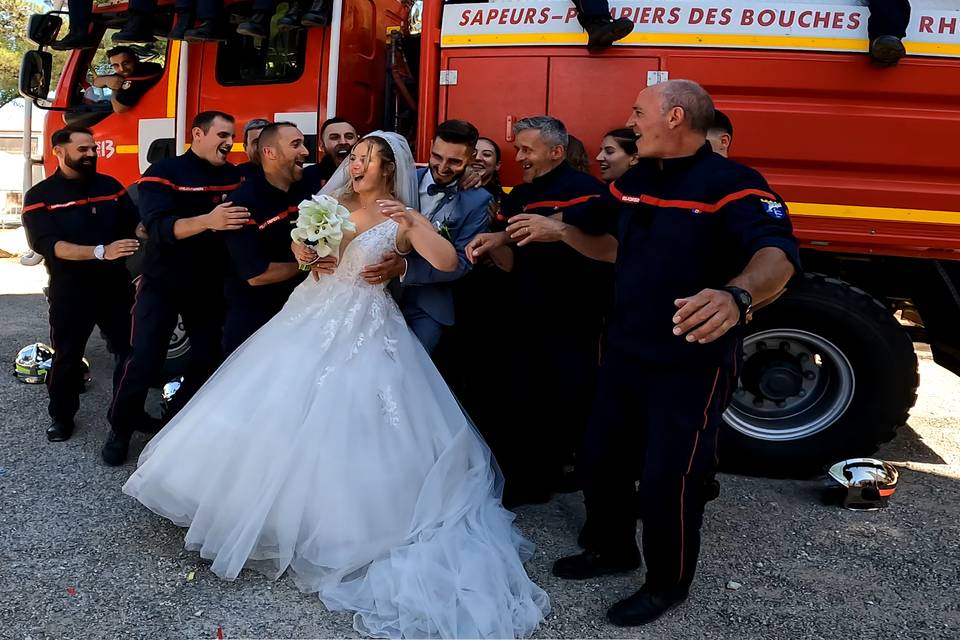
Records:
x=35, y=73
x=43, y=28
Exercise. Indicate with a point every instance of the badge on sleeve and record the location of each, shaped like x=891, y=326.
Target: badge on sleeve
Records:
x=773, y=208
x=126, y=85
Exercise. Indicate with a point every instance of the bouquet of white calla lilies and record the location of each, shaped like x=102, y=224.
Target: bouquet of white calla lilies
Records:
x=320, y=224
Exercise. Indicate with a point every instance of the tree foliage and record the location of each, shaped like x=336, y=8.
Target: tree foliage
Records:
x=13, y=43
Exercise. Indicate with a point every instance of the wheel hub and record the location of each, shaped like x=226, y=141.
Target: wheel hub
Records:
x=793, y=385
x=781, y=381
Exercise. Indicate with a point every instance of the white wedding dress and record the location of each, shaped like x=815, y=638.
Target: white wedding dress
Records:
x=328, y=445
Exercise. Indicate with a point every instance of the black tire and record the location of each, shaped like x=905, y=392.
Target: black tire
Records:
x=178, y=354
x=841, y=367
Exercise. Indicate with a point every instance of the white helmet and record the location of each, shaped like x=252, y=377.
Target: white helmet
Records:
x=867, y=483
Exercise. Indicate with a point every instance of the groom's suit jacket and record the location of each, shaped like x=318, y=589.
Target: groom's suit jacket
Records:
x=427, y=289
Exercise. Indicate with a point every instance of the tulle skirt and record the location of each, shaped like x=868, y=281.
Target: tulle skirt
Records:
x=329, y=446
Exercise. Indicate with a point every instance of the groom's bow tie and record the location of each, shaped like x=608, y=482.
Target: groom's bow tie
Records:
x=446, y=190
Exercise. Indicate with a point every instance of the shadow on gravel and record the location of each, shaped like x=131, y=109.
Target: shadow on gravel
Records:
x=910, y=447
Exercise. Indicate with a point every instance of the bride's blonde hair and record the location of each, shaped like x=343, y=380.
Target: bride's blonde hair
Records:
x=388, y=166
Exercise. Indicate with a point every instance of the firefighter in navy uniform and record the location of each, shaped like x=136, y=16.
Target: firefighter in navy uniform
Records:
x=82, y=223
x=183, y=203
x=556, y=317
x=701, y=238
x=263, y=269
x=337, y=137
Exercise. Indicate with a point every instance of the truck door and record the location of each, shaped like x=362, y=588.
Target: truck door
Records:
x=592, y=96
x=277, y=78
x=493, y=93
x=589, y=94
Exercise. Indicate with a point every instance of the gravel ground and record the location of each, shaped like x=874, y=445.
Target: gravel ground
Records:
x=78, y=559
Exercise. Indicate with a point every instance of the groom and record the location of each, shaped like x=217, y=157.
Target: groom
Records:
x=424, y=294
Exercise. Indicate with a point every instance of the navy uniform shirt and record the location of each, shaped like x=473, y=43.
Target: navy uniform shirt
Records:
x=556, y=284
x=85, y=211
x=690, y=224
x=184, y=187
x=248, y=170
x=264, y=239
x=144, y=76
x=316, y=175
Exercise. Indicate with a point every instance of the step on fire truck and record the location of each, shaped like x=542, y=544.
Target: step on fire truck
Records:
x=865, y=156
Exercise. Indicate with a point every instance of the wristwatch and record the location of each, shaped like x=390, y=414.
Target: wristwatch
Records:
x=98, y=252
x=743, y=300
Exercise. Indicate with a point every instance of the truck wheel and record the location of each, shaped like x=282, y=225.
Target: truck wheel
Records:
x=177, y=354
x=828, y=374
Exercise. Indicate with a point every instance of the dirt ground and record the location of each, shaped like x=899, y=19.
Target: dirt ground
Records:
x=78, y=559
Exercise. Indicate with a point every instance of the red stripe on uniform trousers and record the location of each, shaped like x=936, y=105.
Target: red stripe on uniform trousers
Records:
x=177, y=187
x=126, y=365
x=683, y=478
x=558, y=204
x=699, y=207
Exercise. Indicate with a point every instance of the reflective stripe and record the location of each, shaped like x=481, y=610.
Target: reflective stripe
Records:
x=73, y=203
x=177, y=187
x=697, y=207
x=559, y=204
x=683, y=478
x=283, y=215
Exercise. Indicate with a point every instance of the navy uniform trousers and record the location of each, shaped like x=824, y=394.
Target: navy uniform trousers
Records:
x=888, y=18
x=155, y=308
x=658, y=423
x=74, y=313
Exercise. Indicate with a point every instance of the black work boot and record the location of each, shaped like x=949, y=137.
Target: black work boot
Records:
x=60, y=430
x=206, y=31
x=291, y=20
x=183, y=22
x=257, y=26
x=318, y=15
x=139, y=28
x=74, y=40
x=603, y=32
x=149, y=424
x=886, y=51
x=114, y=452
x=590, y=564
x=643, y=607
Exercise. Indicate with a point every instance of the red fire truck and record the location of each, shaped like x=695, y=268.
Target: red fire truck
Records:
x=864, y=156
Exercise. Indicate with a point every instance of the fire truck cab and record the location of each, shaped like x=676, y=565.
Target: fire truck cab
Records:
x=863, y=155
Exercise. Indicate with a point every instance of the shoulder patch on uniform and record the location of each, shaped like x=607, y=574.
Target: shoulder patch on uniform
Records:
x=773, y=208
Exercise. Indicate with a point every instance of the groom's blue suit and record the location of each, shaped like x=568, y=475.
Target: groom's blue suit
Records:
x=426, y=294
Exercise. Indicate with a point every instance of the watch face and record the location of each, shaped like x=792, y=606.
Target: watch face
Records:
x=744, y=298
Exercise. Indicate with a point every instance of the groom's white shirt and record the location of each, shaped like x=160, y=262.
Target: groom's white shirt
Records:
x=428, y=202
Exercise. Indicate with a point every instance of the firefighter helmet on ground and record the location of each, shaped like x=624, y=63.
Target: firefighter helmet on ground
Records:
x=866, y=483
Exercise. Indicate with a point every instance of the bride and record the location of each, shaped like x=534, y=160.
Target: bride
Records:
x=328, y=445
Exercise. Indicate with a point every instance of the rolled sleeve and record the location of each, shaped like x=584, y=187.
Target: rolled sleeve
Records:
x=42, y=231
x=756, y=223
x=157, y=203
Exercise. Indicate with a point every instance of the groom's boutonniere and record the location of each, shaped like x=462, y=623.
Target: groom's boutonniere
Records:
x=443, y=229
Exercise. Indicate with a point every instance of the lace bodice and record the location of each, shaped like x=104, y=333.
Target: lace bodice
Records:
x=365, y=249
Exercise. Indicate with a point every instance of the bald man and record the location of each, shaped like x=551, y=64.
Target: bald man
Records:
x=699, y=238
